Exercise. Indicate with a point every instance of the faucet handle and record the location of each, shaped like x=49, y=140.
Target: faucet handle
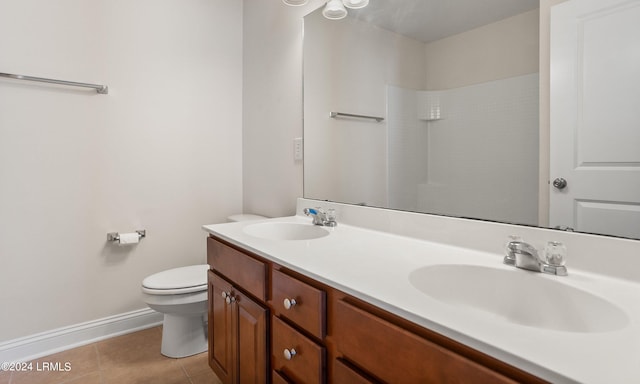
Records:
x=331, y=218
x=555, y=253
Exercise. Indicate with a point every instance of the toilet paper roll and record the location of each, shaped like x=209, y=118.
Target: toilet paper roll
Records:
x=129, y=238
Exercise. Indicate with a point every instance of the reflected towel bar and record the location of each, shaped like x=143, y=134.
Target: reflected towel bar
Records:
x=102, y=89
x=338, y=114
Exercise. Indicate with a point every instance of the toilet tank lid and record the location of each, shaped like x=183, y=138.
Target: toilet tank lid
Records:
x=245, y=217
x=176, y=278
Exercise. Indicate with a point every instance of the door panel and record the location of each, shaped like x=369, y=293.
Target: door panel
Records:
x=595, y=118
x=222, y=330
x=252, y=341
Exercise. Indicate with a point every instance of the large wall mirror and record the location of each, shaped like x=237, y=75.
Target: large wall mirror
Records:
x=446, y=95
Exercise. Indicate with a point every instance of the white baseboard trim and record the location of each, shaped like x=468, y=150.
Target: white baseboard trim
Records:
x=57, y=340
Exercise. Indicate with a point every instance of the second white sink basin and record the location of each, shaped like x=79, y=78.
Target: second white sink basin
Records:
x=286, y=231
x=520, y=297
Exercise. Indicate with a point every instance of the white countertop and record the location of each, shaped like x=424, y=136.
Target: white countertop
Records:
x=375, y=266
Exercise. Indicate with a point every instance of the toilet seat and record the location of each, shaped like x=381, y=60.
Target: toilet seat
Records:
x=177, y=281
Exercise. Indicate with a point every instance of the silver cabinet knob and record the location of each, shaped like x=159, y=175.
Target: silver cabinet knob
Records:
x=288, y=303
x=227, y=297
x=289, y=353
x=560, y=183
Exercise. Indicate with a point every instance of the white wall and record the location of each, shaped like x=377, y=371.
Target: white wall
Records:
x=500, y=50
x=483, y=153
x=272, y=105
x=348, y=64
x=545, y=109
x=161, y=151
x=464, y=154
x=346, y=160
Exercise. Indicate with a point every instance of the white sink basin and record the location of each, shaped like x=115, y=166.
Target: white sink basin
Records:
x=520, y=297
x=286, y=231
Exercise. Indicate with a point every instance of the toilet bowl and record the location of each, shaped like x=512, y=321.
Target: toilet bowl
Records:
x=181, y=295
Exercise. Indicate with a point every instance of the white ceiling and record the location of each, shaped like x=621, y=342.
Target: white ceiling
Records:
x=429, y=20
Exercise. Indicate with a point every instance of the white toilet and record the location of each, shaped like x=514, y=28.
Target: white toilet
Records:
x=181, y=294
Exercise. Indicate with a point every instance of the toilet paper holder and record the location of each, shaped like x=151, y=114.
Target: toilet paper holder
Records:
x=115, y=236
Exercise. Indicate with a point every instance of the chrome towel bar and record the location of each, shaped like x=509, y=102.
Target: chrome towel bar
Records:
x=102, y=89
x=334, y=115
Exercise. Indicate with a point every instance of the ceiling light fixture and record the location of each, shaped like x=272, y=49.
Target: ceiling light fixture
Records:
x=334, y=9
x=355, y=4
x=295, y=3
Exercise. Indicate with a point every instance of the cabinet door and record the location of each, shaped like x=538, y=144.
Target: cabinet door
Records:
x=222, y=330
x=252, y=340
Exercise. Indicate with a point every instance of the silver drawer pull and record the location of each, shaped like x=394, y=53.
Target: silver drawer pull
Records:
x=289, y=353
x=288, y=303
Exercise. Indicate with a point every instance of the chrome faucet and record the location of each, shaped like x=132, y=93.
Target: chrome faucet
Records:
x=525, y=256
x=321, y=217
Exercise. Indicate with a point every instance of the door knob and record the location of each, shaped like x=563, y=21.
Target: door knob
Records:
x=560, y=183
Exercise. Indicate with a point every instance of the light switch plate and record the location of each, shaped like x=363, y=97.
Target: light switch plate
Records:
x=297, y=148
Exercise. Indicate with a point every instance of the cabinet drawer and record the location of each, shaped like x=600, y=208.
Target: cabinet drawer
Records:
x=277, y=378
x=343, y=374
x=243, y=270
x=307, y=365
x=308, y=310
x=393, y=354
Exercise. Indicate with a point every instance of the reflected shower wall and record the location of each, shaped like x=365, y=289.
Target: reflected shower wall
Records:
x=455, y=151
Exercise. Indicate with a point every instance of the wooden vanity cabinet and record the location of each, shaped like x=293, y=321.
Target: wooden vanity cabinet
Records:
x=345, y=373
x=396, y=355
x=260, y=312
x=295, y=356
x=298, y=329
x=243, y=270
x=299, y=302
x=277, y=378
x=238, y=323
x=222, y=346
x=238, y=328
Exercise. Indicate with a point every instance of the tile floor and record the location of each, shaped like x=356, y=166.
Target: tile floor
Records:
x=128, y=359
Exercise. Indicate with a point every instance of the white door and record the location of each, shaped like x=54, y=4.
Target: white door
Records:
x=595, y=116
